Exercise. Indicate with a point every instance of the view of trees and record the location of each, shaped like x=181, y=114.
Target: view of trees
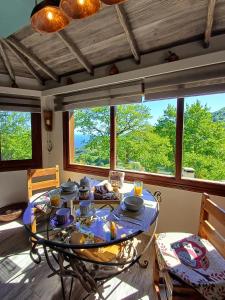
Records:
x=15, y=136
x=142, y=144
x=151, y=148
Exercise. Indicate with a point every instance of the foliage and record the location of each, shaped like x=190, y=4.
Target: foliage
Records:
x=144, y=147
x=15, y=136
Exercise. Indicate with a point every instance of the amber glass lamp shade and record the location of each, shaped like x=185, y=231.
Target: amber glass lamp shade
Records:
x=79, y=9
x=111, y=2
x=47, y=17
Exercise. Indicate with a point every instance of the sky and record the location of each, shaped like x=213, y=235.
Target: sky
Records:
x=214, y=102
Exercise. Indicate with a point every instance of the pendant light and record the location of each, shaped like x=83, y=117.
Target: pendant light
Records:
x=111, y=2
x=79, y=9
x=47, y=17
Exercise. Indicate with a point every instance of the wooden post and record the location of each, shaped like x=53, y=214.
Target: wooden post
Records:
x=203, y=216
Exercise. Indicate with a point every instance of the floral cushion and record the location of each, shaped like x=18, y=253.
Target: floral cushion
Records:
x=195, y=261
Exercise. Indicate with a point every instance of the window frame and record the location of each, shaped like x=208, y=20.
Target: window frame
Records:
x=36, y=161
x=176, y=181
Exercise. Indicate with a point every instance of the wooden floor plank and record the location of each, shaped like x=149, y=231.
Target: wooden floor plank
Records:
x=21, y=279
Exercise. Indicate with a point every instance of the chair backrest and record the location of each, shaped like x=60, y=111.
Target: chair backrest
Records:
x=209, y=211
x=42, y=179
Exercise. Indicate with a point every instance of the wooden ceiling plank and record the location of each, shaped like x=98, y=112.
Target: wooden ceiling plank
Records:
x=24, y=61
x=23, y=50
x=128, y=32
x=209, y=23
x=75, y=51
x=7, y=63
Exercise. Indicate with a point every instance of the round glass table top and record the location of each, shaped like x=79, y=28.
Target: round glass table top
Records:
x=99, y=224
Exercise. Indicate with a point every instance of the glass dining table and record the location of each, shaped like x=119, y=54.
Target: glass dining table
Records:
x=84, y=247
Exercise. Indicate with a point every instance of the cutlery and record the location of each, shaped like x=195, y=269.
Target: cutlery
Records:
x=126, y=216
x=126, y=219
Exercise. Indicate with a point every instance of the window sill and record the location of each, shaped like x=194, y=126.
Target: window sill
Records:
x=16, y=165
x=193, y=185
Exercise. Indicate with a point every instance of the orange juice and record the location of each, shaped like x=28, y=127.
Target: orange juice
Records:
x=55, y=197
x=138, y=188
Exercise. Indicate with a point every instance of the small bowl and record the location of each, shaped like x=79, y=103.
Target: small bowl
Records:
x=133, y=203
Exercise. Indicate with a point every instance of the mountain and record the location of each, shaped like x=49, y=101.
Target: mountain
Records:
x=219, y=115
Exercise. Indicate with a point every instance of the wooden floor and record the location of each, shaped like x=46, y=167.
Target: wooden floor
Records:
x=21, y=279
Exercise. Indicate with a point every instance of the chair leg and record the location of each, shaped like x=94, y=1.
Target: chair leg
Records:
x=63, y=288
x=71, y=287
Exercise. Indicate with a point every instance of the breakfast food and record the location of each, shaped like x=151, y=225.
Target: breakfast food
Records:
x=105, y=192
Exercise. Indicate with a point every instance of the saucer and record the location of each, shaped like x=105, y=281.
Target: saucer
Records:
x=54, y=223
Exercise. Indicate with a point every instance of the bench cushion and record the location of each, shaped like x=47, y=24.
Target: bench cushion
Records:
x=195, y=261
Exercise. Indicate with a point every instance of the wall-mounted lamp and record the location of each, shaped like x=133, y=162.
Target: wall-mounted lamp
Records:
x=48, y=116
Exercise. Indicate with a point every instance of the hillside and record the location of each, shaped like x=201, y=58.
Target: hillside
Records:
x=219, y=115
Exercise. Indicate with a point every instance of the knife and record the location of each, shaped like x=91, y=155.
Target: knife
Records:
x=126, y=219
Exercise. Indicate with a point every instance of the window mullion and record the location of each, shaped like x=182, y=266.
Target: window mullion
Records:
x=179, y=138
x=112, y=137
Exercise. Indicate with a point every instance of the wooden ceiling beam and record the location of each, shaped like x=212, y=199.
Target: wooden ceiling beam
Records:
x=141, y=73
x=20, y=92
x=209, y=22
x=33, y=58
x=7, y=64
x=128, y=32
x=75, y=51
x=24, y=61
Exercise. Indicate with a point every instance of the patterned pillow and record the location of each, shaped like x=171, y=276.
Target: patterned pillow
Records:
x=195, y=261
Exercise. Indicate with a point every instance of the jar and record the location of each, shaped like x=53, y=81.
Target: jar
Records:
x=84, y=193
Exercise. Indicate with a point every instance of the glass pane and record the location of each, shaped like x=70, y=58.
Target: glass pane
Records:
x=146, y=136
x=91, y=136
x=204, y=137
x=15, y=135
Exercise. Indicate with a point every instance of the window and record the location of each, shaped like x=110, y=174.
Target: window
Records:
x=204, y=137
x=18, y=149
x=173, y=142
x=91, y=137
x=146, y=137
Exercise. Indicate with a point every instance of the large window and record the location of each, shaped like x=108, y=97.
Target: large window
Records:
x=20, y=140
x=174, y=142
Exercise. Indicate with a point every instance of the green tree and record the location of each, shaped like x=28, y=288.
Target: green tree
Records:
x=204, y=143
x=203, y=140
x=144, y=147
x=15, y=136
x=138, y=146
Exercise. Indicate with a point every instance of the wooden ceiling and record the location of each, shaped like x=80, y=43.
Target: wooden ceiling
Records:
x=115, y=33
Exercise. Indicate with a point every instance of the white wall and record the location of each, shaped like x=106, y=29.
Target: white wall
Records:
x=179, y=210
x=13, y=184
